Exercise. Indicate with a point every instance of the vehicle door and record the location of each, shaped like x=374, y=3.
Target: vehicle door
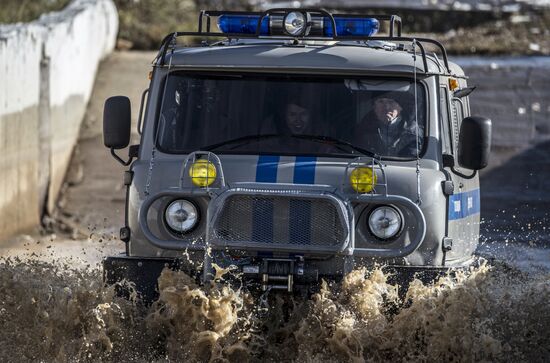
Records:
x=463, y=191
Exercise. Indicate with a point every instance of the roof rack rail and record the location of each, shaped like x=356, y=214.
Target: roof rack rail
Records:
x=395, y=29
x=395, y=20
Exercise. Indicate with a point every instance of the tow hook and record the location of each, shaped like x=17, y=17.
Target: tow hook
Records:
x=264, y=303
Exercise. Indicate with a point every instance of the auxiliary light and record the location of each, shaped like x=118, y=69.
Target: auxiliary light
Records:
x=202, y=173
x=362, y=179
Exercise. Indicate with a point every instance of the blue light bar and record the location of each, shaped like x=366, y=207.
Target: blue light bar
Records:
x=351, y=27
x=243, y=24
x=345, y=26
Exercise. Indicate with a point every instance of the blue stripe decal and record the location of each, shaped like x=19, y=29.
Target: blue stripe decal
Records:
x=300, y=210
x=304, y=170
x=266, y=170
x=262, y=220
x=463, y=205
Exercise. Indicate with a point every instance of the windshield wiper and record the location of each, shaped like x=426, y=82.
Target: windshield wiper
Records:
x=242, y=140
x=330, y=139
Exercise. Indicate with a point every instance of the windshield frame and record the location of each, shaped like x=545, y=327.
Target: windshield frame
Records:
x=246, y=74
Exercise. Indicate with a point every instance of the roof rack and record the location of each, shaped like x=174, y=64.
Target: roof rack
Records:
x=395, y=29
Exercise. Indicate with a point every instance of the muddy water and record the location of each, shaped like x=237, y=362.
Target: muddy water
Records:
x=50, y=311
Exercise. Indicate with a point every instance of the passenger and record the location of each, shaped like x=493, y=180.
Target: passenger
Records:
x=170, y=122
x=387, y=130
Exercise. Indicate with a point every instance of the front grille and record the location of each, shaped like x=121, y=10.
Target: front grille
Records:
x=280, y=220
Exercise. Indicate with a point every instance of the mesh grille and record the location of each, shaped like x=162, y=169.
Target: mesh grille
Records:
x=279, y=220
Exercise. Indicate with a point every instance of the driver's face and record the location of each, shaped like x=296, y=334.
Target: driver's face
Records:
x=387, y=109
x=297, y=118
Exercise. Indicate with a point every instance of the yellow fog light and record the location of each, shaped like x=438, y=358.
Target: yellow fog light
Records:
x=362, y=179
x=202, y=173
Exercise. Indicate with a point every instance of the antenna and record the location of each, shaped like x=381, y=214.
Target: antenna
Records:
x=418, y=196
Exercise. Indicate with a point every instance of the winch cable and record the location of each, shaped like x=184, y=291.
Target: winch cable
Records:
x=418, y=197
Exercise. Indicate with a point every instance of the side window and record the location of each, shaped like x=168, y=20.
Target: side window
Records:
x=446, y=138
x=457, y=109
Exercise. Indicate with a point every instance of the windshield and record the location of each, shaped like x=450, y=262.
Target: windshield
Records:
x=291, y=115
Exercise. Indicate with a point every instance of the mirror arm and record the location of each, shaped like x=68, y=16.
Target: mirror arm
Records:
x=449, y=162
x=464, y=175
x=125, y=163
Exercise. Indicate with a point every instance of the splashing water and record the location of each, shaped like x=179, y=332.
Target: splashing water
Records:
x=52, y=312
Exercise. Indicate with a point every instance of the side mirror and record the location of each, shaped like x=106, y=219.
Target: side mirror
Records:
x=117, y=122
x=474, y=143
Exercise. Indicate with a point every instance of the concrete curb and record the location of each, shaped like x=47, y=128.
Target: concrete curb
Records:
x=47, y=68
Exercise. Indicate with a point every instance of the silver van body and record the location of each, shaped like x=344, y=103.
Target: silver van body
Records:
x=438, y=200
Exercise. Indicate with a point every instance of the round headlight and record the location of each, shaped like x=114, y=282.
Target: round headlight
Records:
x=181, y=215
x=385, y=222
x=362, y=179
x=202, y=173
x=295, y=23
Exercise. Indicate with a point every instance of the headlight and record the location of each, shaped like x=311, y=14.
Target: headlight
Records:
x=385, y=222
x=362, y=179
x=202, y=173
x=181, y=215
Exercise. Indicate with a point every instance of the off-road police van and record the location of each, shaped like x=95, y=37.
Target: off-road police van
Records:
x=295, y=145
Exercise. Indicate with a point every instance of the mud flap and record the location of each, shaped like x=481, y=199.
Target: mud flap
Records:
x=142, y=272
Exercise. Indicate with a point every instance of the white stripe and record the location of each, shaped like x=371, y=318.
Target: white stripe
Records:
x=285, y=172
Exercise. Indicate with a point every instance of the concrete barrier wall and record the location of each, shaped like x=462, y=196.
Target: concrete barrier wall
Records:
x=47, y=71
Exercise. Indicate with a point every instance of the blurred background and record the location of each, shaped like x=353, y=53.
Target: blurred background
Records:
x=487, y=27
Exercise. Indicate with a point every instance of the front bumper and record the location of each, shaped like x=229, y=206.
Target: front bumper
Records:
x=142, y=273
